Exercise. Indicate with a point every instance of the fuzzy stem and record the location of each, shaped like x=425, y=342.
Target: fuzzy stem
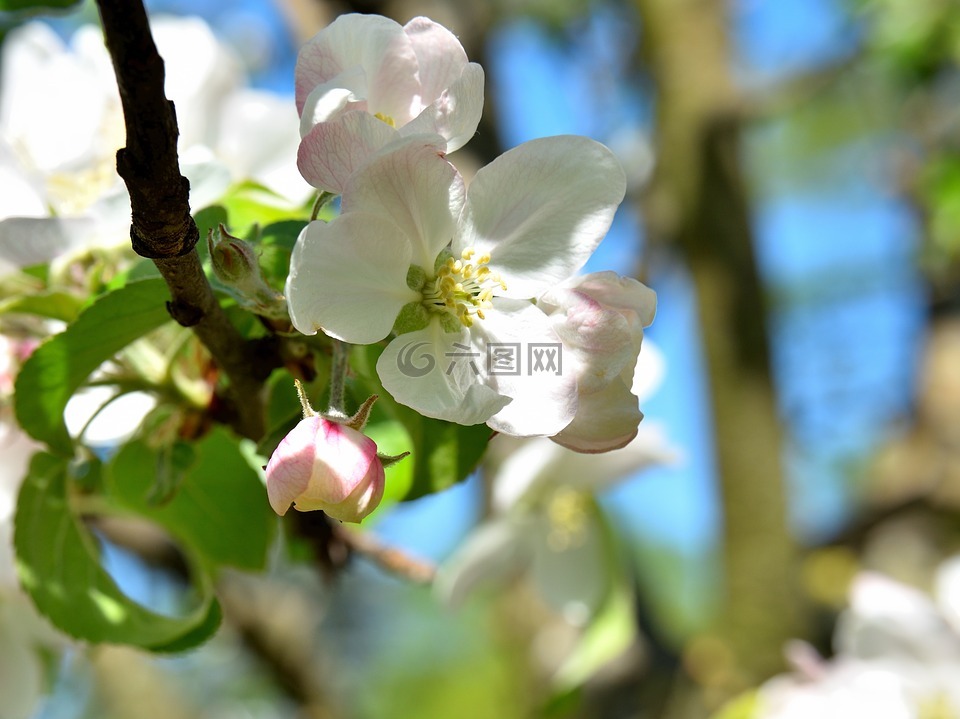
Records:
x=338, y=376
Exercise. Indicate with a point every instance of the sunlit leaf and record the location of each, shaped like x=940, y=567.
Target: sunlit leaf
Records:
x=51, y=305
x=37, y=6
x=59, y=566
x=59, y=366
x=219, y=507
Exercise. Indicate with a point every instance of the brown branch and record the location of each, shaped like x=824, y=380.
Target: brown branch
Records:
x=161, y=227
x=387, y=558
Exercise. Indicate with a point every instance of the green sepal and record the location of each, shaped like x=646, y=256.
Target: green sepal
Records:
x=413, y=316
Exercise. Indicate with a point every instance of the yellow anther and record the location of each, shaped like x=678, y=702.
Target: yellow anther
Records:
x=385, y=118
x=468, y=253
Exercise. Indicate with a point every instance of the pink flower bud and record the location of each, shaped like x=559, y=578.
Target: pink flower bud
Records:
x=325, y=465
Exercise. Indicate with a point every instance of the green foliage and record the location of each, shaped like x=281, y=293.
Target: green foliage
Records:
x=58, y=564
x=746, y=706
x=442, y=453
x=219, y=507
x=59, y=366
x=33, y=7
x=50, y=305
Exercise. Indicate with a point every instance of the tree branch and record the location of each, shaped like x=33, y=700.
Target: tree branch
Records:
x=161, y=226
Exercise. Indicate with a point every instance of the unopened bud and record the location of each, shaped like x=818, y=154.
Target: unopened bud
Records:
x=235, y=264
x=322, y=464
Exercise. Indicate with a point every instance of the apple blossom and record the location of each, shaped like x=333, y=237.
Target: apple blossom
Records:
x=456, y=272
x=600, y=319
x=323, y=464
x=364, y=81
x=544, y=520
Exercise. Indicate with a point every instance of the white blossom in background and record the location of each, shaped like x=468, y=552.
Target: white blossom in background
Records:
x=897, y=657
x=61, y=124
x=364, y=81
x=543, y=520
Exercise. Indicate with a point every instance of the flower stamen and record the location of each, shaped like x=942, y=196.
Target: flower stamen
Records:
x=464, y=287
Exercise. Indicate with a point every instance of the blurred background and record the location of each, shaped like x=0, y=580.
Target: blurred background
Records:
x=794, y=199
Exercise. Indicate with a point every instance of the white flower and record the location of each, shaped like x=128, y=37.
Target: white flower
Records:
x=544, y=519
x=457, y=273
x=600, y=319
x=897, y=657
x=364, y=81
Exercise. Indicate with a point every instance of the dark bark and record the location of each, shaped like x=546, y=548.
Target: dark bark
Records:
x=162, y=228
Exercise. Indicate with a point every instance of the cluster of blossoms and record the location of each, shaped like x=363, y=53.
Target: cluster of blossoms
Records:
x=453, y=274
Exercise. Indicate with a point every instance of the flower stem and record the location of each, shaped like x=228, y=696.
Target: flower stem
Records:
x=322, y=199
x=338, y=376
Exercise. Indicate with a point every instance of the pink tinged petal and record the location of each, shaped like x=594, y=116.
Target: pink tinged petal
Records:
x=455, y=114
x=330, y=99
x=363, y=500
x=343, y=460
x=439, y=375
x=414, y=187
x=599, y=340
x=605, y=420
x=333, y=151
x=621, y=293
x=440, y=56
x=348, y=278
x=541, y=209
x=291, y=465
x=544, y=394
x=379, y=47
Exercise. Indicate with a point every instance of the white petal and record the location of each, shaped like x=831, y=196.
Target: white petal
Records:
x=544, y=393
x=439, y=374
x=605, y=420
x=541, y=209
x=491, y=552
x=412, y=185
x=570, y=566
x=26, y=241
x=440, y=56
x=533, y=473
x=332, y=151
x=329, y=99
x=616, y=291
x=456, y=113
x=348, y=278
x=380, y=47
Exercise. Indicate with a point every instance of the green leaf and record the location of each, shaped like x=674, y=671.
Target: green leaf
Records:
x=52, y=305
x=275, y=247
x=220, y=507
x=37, y=6
x=59, y=567
x=59, y=366
x=442, y=453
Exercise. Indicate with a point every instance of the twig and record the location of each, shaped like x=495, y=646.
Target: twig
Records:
x=162, y=228
x=390, y=559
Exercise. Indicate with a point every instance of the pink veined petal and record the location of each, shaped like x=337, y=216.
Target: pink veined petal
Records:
x=541, y=209
x=544, y=391
x=291, y=465
x=364, y=499
x=333, y=151
x=456, y=113
x=348, y=277
x=605, y=420
x=439, y=375
x=440, y=56
x=411, y=184
x=377, y=45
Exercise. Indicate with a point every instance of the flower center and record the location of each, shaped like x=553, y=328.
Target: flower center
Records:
x=463, y=288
